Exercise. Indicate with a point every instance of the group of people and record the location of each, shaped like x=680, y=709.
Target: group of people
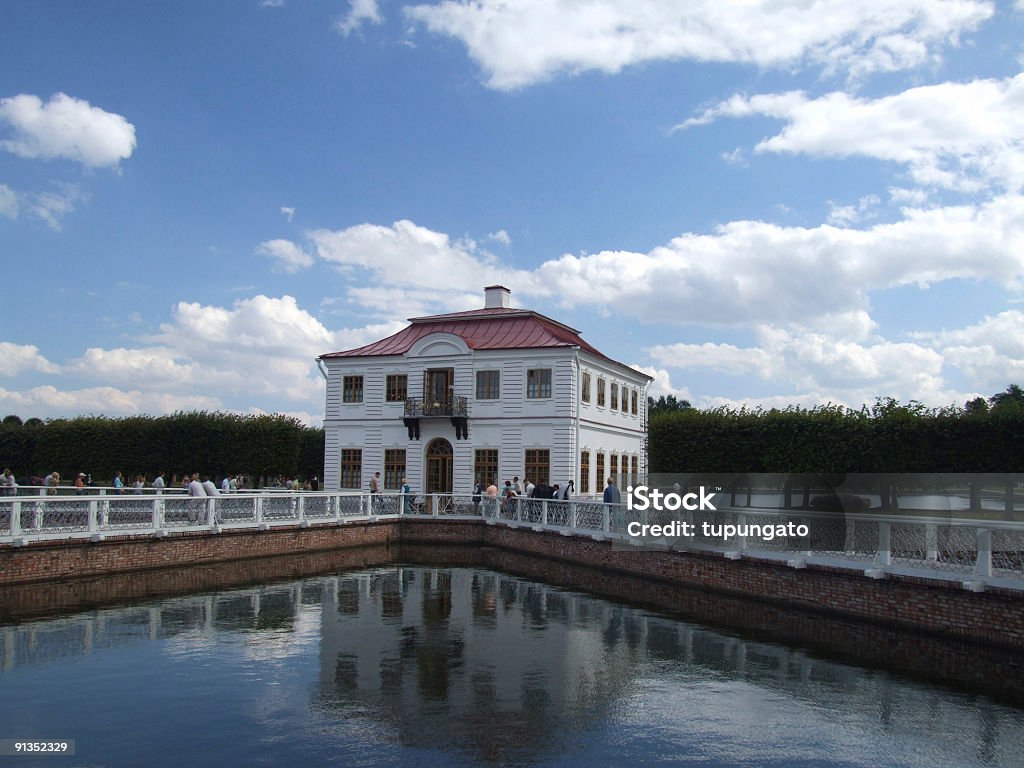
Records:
x=515, y=488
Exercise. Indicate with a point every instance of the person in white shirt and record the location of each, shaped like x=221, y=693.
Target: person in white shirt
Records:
x=195, y=488
x=225, y=485
x=209, y=487
x=159, y=484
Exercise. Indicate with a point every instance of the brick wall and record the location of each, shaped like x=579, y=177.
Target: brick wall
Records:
x=994, y=617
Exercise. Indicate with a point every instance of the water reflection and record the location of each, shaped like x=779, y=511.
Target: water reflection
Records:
x=419, y=665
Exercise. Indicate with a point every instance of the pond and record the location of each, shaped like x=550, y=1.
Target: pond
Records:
x=414, y=665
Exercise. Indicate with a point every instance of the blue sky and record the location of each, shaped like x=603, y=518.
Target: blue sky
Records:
x=768, y=203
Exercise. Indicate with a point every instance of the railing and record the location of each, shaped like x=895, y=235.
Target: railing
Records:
x=452, y=406
x=974, y=551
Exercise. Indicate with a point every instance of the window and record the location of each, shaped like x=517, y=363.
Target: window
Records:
x=635, y=400
x=394, y=467
x=488, y=385
x=614, y=462
x=636, y=470
x=538, y=382
x=538, y=465
x=585, y=472
x=585, y=388
x=396, y=388
x=600, y=472
x=485, y=466
x=615, y=396
x=352, y=389
x=352, y=466
x=600, y=392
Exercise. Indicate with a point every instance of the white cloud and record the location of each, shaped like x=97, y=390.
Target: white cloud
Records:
x=662, y=384
x=286, y=254
x=51, y=207
x=8, y=202
x=48, y=401
x=528, y=41
x=65, y=127
x=962, y=136
x=844, y=372
x=361, y=12
x=845, y=215
x=18, y=358
x=754, y=272
x=415, y=265
x=501, y=236
x=289, y=213
x=990, y=353
x=272, y=4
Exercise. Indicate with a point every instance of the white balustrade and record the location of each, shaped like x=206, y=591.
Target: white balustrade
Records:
x=981, y=550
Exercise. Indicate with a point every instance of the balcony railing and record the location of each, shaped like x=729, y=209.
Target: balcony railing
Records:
x=417, y=406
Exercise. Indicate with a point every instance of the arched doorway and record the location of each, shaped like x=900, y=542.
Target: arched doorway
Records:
x=440, y=458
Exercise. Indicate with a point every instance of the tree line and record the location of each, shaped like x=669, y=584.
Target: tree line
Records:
x=983, y=436
x=199, y=441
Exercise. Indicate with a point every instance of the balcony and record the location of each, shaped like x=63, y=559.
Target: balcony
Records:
x=454, y=408
x=417, y=407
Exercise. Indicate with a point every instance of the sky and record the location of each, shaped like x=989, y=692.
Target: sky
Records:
x=767, y=202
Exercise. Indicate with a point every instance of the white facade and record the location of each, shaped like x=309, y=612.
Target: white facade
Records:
x=524, y=408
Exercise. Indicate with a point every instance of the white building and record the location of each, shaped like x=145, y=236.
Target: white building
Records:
x=487, y=394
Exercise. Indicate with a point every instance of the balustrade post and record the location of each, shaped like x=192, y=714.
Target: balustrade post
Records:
x=93, y=523
x=883, y=556
x=436, y=505
x=606, y=523
x=302, y=508
x=37, y=515
x=983, y=565
x=850, y=543
x=259, y=509
x=104, y=508
x=741, y=519
x=573, y=514
x=931, y=542
x=15, y=517
x=544, y=511
x=156, y=512
x=211, y=511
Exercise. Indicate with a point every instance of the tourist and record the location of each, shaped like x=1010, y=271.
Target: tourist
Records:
x=139, y=484
x=611, y=493
x=529, y=488
x=517, y=485
x=52, y=482
x=118, y=483
x=569, y=490
x=225, y=484
x=406, y=491
x=478, y=489
x=159, y=484
x=509, y=503
x=10, y=486
x=491, y=502
x=195, y=488
x=80, y=483
x=209, y=487
x=541, y=490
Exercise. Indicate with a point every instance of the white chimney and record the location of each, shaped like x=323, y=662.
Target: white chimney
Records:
x=496, y=297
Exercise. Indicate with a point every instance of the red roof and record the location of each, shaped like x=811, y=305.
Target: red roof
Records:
x=496, y=328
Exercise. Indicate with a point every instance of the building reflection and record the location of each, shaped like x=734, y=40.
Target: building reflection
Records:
x=501, y=668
